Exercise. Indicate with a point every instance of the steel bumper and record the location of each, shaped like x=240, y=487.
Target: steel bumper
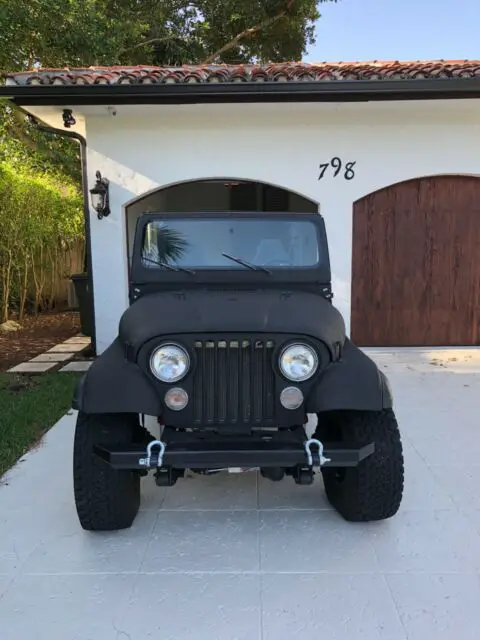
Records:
x=231, y=452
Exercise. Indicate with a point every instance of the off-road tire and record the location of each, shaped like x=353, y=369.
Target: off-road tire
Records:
x=106, y=499
x=373, y=490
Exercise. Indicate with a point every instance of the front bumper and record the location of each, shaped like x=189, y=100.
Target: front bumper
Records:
x=184, y=450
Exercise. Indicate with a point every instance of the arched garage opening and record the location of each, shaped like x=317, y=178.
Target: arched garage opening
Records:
x=219, y=194
x=416, y=264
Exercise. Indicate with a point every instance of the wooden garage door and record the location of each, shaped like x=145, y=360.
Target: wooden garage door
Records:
x=416, y=264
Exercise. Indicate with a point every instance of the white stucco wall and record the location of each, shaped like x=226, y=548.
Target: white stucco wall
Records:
x=145, y=148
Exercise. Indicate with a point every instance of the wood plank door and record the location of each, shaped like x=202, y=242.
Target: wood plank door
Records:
x=416, y=264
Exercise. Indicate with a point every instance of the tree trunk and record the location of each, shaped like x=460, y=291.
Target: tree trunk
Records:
x=7, y=285
x=23, y=289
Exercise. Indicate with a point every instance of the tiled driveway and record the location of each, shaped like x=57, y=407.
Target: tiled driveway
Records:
x=238, y=557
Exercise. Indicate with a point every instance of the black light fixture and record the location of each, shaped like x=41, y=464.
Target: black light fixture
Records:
x=100, y=196
x=68, y=119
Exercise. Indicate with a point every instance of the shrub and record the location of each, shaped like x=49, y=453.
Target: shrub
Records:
x=41, y=222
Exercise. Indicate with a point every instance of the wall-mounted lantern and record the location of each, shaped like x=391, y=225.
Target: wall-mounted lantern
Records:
x=100, y=196
x=68, y=119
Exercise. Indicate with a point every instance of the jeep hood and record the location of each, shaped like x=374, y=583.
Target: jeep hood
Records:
x=201, y=311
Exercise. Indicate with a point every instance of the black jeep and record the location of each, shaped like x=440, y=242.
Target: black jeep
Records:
x=230, y=340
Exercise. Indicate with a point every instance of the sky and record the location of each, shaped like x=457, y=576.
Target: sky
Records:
x=397, y=30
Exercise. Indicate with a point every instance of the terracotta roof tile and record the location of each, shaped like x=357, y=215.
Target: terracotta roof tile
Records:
x=278, y=72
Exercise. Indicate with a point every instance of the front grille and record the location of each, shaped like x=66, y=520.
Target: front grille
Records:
x=234, y=381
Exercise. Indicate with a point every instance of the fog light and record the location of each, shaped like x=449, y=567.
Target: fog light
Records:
x=176, y=399
x=291, y=398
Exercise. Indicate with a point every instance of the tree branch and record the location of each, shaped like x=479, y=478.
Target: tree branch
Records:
x=145, y=43
x=248, y=33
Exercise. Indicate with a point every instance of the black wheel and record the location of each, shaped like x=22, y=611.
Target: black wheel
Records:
x=106, y=499
x=373, y=490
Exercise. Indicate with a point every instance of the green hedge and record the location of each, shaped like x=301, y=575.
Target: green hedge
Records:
x=41, y=220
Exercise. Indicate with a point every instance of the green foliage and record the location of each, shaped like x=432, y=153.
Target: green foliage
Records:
x=23, y=146
x=41, y=220
x=57, y=33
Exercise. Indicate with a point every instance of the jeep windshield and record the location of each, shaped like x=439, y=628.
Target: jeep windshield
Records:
x=262, y=243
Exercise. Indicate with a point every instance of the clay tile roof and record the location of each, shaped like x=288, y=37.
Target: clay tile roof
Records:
x=277, y=72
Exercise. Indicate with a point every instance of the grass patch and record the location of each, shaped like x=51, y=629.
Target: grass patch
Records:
x=29, y=406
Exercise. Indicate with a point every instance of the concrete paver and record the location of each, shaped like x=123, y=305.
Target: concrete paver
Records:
x=322, y=543
x=213, y=541
x=56, y=355
x=67, y=347
x=85, y=340
x=64, y=607
x=230, y=556
x=474, y=518
x=51, y=357
x=77, y=366
x=328, y=605
x=32, y=367
x=66, y=550
x=5, y=581
x=444, y=607
x=211, y=606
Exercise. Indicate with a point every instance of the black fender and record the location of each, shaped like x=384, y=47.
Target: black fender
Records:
x=115, y=385
x=353, y=383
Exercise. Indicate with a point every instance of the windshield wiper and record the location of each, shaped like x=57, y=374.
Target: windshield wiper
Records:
x=165, y=265
x=249, y=265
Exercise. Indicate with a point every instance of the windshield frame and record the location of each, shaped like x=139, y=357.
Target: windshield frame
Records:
x=320, y=272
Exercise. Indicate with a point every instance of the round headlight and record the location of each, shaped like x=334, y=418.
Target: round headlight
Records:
x=298, y=362
x=169, y=363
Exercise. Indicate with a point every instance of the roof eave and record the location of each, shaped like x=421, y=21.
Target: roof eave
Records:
x=235, y=92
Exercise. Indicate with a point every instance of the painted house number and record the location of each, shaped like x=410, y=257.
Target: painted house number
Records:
x=335, y=166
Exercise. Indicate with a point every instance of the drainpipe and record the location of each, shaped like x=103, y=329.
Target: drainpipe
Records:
x=86, y=210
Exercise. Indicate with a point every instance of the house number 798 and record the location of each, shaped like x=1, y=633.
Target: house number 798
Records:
x=336, y=166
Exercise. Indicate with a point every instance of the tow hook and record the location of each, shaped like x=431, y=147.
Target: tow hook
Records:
x=153, y=459
x=308, y=450
x=304, y=474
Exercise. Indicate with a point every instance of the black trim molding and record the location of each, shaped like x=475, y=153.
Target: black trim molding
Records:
x=327, y=91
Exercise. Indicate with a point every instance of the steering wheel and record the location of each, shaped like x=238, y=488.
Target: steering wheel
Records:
x=278, y=263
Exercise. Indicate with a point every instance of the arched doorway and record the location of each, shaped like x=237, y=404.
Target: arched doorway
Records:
x=416, y=264
x=217, y=194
